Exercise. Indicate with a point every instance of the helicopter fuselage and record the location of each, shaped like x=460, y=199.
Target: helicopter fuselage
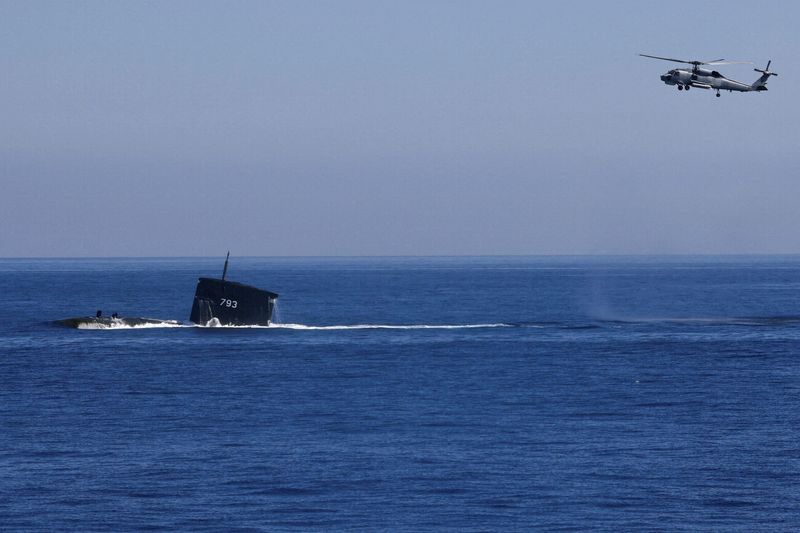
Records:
x=706, y=79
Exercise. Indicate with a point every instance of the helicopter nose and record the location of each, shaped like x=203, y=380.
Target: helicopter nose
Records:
x=665, y=77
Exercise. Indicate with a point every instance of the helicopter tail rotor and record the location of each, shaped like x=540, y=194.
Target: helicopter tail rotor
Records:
x=761, y=83
x=766, y=71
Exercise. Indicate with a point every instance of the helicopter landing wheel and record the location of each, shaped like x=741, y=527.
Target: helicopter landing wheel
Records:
x=718, y=95
x=680, y=87
x=688, y=87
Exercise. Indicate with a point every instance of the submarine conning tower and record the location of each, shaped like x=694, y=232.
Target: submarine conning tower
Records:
x=232, y=303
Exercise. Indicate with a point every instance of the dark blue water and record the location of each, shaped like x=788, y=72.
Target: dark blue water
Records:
x=572, y=394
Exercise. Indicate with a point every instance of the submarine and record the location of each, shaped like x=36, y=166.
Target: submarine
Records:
x=217, y=302
x=230, y=303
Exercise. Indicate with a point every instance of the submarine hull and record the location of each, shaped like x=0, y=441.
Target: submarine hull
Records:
x=93, y=322
x=231, y=303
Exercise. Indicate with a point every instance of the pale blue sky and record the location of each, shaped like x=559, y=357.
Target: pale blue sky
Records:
x=393, y=128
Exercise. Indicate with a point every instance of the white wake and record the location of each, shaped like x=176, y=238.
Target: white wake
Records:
x=214, y=324
x=304, y=327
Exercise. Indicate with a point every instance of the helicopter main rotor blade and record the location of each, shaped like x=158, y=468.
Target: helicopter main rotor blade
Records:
x=723, y=62
x=698, y=63
x=675, y=60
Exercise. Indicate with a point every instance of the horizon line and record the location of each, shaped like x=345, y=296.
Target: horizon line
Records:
x=409, y=256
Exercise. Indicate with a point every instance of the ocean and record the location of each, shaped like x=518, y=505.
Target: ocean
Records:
x=405, y=394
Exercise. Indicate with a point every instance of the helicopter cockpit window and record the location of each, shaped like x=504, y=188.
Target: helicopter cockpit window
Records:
x=716, y=74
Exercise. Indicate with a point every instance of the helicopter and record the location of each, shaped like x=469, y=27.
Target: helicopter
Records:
x=703, y=78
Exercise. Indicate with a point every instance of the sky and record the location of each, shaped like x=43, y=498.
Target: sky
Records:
x=341, y=128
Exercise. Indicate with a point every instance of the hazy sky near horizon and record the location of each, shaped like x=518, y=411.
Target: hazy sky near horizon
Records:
x=393, y=128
